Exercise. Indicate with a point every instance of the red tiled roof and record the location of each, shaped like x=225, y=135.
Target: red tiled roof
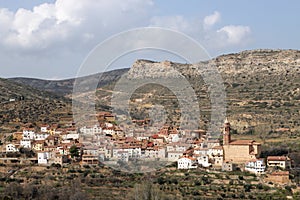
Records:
x=280, y=173
x=189, y=157
x=241, y=142
x=277, y=158
x=217, y=147
x=155, y=136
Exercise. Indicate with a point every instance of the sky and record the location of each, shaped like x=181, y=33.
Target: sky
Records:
x=50, y=39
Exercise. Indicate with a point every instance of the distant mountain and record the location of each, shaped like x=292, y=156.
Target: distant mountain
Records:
x=65, y=87
x=262, y=88
x=10, y=89
x=21, y=104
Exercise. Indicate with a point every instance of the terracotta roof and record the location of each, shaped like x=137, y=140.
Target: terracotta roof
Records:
x=280, y=173
x=277, y=158
x=256, y=143
x=217, y=147
x=189, y=157
x=241, y=142
x=212, y=141
x=28, y=129
x=155, y=136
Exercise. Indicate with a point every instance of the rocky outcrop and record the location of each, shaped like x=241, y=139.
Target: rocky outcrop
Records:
x=262, y=86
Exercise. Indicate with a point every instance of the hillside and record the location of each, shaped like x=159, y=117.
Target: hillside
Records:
x=65, y=87
x=262, y=88
x=10, y=89
x=21, y=104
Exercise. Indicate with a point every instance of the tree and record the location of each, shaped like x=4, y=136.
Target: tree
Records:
x=147, y=191
x=28, y=152
x=74, y=151
x=262, y=130
x=9, y=138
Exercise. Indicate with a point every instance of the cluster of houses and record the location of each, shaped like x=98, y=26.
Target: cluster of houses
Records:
x=50, y=143
x=233, y=154
x=107, y=142
x=230, y=154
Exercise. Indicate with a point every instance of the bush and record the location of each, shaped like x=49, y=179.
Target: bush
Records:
x=247, y=187
x=259, y=186
x=197, y=182
x=161, y=181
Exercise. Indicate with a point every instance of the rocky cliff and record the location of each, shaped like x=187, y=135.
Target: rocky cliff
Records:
x=262, y=87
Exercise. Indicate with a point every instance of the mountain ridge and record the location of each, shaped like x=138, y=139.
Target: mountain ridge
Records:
x=262, y=86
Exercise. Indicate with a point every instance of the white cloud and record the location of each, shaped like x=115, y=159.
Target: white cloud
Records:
x=67, y=20
x=214, y=39
x=54, y=38
x=234, y=35
x=212, y=19
x=57, y=36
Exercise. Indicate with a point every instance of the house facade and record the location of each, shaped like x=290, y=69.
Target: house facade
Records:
x=283, y=162
x=11, y=148
x=278, y=177
x=256, y=166
x=186, y=163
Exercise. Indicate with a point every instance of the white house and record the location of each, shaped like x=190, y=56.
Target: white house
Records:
x=109, y=131
x=173, y=138
x=186, y=163
x=256, y=166
x=109, y=125
x=26, y=143
x=174, y=155
x=203, y=160
x=70, y=136
x=29, y=134
x=201, y=151
x=91, y=150
x=177, y=146
x=141, y=138
x=40, y=136
x=44, y=128
x=123, y=156
x=155, y=153
x=215, y=151
x=43, y=157
x=134, y=152
x=279, y=161
x=91, y=130
x=11, y=148
x=216, y=154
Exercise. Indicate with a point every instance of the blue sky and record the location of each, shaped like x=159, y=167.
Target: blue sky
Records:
x=50, y=39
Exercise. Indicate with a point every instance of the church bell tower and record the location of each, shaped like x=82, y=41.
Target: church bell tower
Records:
x=226, y=133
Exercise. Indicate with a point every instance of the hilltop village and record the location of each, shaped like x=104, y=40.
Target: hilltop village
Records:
x=107, y=143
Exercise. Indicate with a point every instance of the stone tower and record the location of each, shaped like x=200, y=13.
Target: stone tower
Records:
x=226, y=133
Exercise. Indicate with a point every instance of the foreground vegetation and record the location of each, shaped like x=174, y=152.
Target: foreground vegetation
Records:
x=100, y=182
